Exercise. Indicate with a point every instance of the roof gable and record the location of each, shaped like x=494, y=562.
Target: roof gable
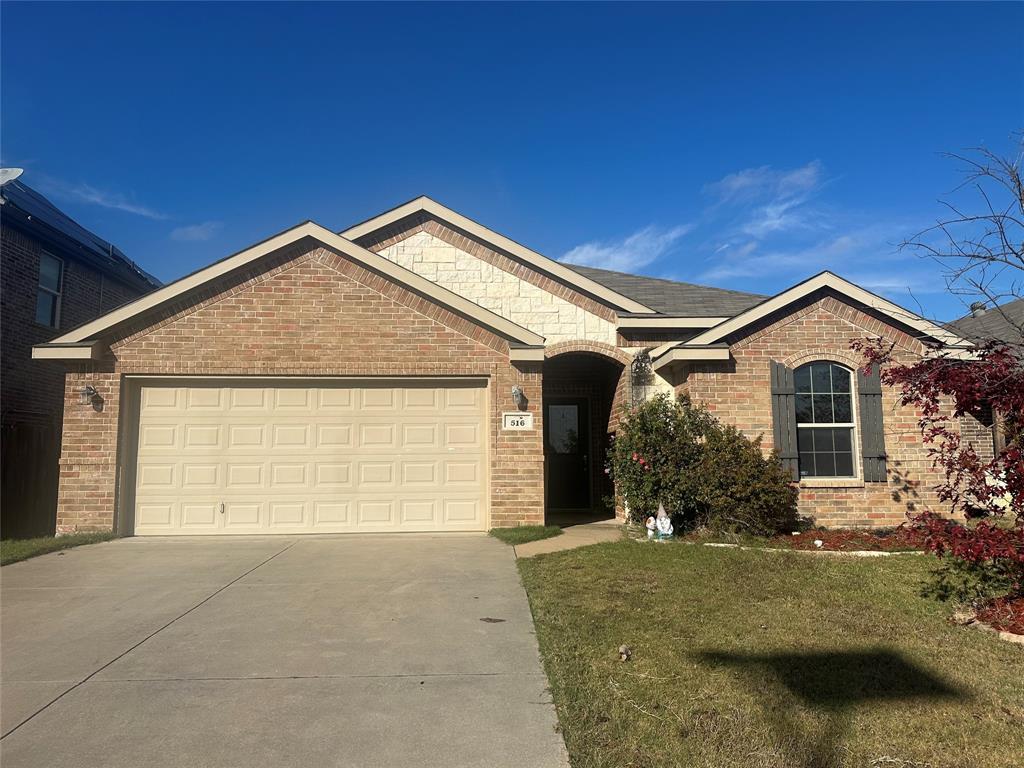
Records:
x=831, y=281
x=520, y=252
x=86, y=334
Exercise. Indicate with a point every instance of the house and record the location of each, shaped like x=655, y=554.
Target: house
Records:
x=1004, y=322
x=56, y=275
x=421, y=372
x=1001, y=323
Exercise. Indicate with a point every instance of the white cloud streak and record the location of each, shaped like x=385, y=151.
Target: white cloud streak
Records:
x=85, y=193
x=630, y=253
x=196, y=232
x=767, y=181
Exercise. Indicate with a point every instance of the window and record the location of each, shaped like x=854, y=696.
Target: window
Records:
x=825, y=420
x=51, y=279
x=563, y=428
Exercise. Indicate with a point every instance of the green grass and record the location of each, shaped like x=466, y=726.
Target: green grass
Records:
x=759, y=659
x=14, y=550
x=525, y=533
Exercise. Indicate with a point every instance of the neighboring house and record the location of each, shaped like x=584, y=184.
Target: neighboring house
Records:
x=420, y=372
x=55, y=275
x=1002, y=323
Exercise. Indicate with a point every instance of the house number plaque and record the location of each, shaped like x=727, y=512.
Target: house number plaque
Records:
x=517, y=421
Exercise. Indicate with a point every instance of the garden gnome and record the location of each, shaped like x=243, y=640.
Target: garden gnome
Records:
x=663, y=524
x=651, y=527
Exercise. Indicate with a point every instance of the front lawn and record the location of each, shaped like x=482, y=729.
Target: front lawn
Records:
x=747, y=658
x=525, y=533
x=14, y=550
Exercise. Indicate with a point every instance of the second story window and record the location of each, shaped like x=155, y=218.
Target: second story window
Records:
x=51, y=283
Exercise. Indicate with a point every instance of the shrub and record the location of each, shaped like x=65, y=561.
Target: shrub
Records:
x=740, y=489
x=656, y=447
x=672, y=452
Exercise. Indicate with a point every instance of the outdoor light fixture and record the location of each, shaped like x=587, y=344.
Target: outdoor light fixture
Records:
x=86, y=394
x=518, y=397
x=641, y=368
x=640, y=374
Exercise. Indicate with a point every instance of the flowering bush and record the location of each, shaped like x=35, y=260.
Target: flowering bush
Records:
x=677, y=454
x=654, y=453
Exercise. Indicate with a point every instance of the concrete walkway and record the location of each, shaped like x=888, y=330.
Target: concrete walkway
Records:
x=305, y=651
x=573, y=536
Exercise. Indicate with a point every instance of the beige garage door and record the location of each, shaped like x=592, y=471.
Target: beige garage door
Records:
x=369, y=456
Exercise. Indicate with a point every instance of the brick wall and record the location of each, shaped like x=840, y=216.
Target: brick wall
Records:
x=307, y=312
x=32, y=391
x=738, y=392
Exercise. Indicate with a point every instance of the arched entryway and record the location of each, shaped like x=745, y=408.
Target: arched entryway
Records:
x=584, y=386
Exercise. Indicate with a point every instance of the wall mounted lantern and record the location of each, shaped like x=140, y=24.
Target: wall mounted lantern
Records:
x=640, y=374
x=518, y=397
x=86, y=395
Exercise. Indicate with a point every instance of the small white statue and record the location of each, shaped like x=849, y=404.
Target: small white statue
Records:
x=660, y=528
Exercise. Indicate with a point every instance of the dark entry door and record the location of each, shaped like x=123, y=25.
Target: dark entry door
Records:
x=567, y=452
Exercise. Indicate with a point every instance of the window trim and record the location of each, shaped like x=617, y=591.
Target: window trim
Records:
x=857, y=476
x=58, y=294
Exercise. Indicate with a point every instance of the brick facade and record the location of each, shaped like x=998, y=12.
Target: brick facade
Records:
x=32, y=391
x=738, y=392
x=309, y=312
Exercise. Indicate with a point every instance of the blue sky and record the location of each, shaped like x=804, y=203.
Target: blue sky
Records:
x=745, y=146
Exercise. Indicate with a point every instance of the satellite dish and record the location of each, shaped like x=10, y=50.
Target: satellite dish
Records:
x=9, y=174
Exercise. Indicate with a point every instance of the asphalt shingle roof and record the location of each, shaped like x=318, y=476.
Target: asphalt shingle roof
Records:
x=672, y=298
x=1003, y=323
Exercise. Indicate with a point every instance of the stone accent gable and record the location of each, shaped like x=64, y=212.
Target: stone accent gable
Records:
x=509, y=295
x=304, y=317
x=423, y=222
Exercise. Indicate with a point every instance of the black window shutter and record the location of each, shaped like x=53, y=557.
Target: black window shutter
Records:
x=784, y=417
x=872, y=439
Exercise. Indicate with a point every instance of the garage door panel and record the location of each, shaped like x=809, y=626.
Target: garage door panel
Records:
x=377, y=436
x=306, y=459
x=377, y=399
x=332, y=475
x=159, y=436
x=199, y=514
x=205, y=399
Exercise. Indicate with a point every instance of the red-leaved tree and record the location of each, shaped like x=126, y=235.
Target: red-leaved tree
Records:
x=983, y=255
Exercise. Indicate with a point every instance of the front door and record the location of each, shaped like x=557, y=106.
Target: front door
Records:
x=567, y=452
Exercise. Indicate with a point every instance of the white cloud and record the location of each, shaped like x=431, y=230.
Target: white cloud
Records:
x=766, y=181
x=764, y=200
x=629, y=254
x=196, y=232
x=868, y=246
x=86, y=193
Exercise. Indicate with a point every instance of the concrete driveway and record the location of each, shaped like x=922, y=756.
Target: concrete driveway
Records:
x=306, y=651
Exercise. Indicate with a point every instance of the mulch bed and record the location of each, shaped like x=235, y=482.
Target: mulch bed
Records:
x=1005, y=614
x=895, y=540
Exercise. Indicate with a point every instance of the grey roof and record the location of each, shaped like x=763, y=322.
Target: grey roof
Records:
x=43, y=218
x=671, y=298
x=1003, y=323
